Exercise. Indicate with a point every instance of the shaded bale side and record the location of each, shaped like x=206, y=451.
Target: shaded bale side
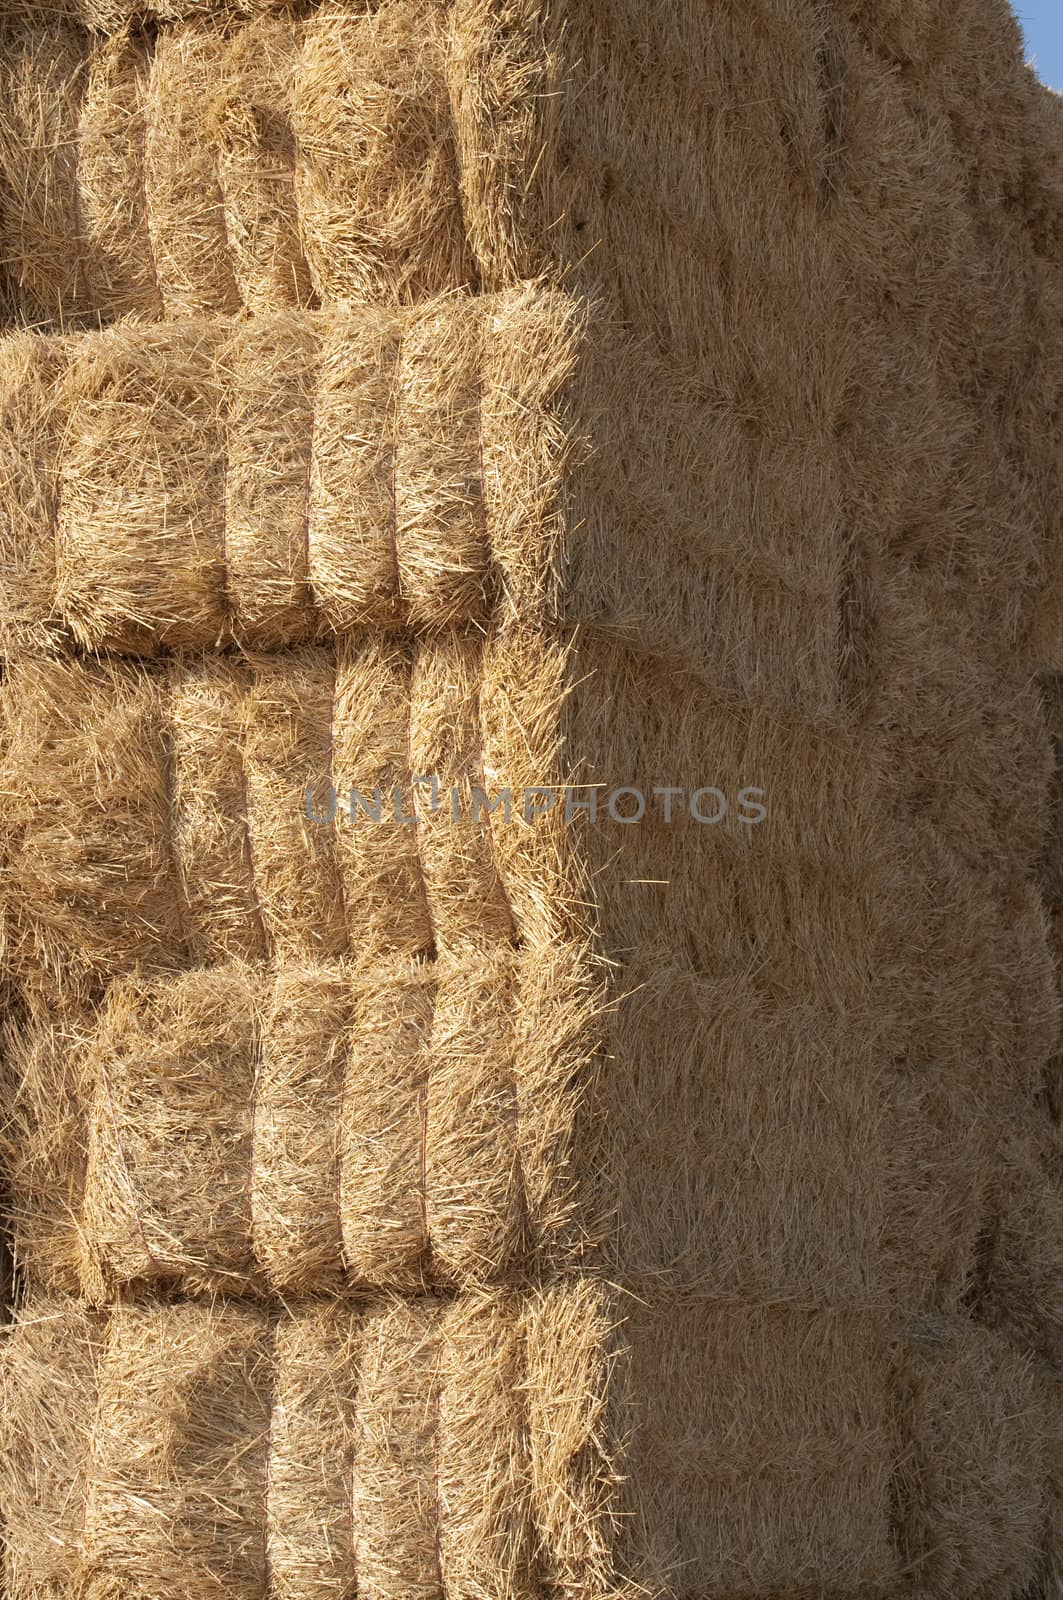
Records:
x=454, y=830
x=397, y=1418
x=31, y=421
x=1025, y=1269
x=44, y=1142
x=251, y=124
x=90, y=887
x=211, y=839
x=186, y=207
x=352, y=529
x=379, y=853
x=382, y=1131
x=169, y=1177
x=375, y=173
x=484, y=1470
x=141, y=533
x=971, y=1487
x=475, y=1200
x=48, y=1364
x=442, y=545
x=268, y=367
x=309, y=1514
x=288, y=757
x=43, y=77
x=112, y=208
x=180, y=1454
x=298, y=1120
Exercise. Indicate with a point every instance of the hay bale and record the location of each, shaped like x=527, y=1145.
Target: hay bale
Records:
x=186, y=206
x=169, y=1177
x=376, y=177
x=382, y=1132
x=351, y=520
x=112, y=208
x=1024, y=1274
x=180, y=1454
x=211, y=837
x=141, y=532
x=251, y=124
x=971, y=1486
x=309, y=1511
x=299, y=1119
x=48, y=1367
x=91, y=887
x=43, y=77
x=288, y=758
x=30, y=421
x=442, y=547
x=269, y=367
x=475, y=1201
x=379, y=853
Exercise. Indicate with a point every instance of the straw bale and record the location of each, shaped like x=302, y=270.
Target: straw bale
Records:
x=971, y=1486
x=141, y=520
x=1025, y=1268
x=441, y=535
x=112, y=207
x=186, y=206
x=454, y=840
x=376, y=171
x=299, y=1120
x=90, y=886
x=43, y=77
x=180, y=1455
x=30, y=420
x=251, y=123
x=288, y=756
x=379, y=853
x=309, y=1512
x=169, y=1178
x=383, y=1204
x=44, y=1139
x=351, y=527
x=476, y=1206
x=48, y=1366
x=211, y=840
x=269, y=366
x=397, y=1423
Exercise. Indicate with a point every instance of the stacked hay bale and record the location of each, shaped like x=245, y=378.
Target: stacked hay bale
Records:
x=531, y=1036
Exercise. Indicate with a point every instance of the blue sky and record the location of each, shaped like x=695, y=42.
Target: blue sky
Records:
x=1042, y=22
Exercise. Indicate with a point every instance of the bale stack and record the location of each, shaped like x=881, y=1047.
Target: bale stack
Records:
x=529, y=851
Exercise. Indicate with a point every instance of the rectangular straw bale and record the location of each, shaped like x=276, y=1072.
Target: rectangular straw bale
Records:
x=352, y=534
x=476, y=1205
x=382, y=1131
x=186, y=205
x=454, y=831
x=141, y=533
x=31, y=420
x=112, y=208
x=43, y=77
x=288, y=755
x=299, y=1118
x=45, y=1133
x=376, y=173
x=48, y=1364
x=205, y=705
x=90, y=887
x=268, y=367
x=397, y=1423
x=309, y=1512
x=971, y=1491
x=1025, y=1269
x=379, y=853
x=250, y=121
x=180, y=1455
x=169, y=1179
